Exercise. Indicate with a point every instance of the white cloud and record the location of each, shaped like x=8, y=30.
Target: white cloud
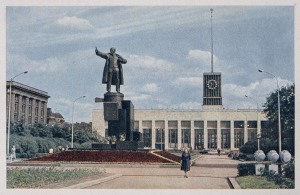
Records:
x=189, y=81
x=150, y=87
x=190, y=105
x=203, y=56
x=148, y=62
x=82, y=108
x=258, y=90
x=74, y=22
x=36, y=66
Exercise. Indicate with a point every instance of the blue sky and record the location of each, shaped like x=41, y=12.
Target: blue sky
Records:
x=167, y=49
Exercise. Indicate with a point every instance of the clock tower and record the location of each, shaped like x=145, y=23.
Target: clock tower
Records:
x=212, y=90
x=212, y=85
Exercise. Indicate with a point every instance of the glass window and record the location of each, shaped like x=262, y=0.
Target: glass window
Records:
x=225, y=138
x=212, y=138
x=147, y=137
x=186, y=137
x=199, y=139
x=173, y=138
x=238, y=137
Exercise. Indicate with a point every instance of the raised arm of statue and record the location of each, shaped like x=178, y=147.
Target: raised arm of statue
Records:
x=102, y=55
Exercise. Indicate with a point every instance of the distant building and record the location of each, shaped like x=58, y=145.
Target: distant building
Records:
x=28, y=104
x=54, y=118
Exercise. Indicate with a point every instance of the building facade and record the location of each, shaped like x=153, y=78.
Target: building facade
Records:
x=197, y=129
x=27, y=104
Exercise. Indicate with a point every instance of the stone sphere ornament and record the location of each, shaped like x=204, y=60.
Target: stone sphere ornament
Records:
x=259, y=156
x=285, y=156
x=273, y=156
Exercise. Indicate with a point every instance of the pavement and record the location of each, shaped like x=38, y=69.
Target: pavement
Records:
x=207, y=172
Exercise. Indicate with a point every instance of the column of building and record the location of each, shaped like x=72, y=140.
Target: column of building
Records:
x=166, y=130
x=20, y=108
x=231, y=134
x=193, y=134
x=218, y=134
x=153, y=134
x=45, y=113
x=39, y=111
x=12, y=107
x=205, y=134
x=179, y=135
x=245, y=131
x=26, y=110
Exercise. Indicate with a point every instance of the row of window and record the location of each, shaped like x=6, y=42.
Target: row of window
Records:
x=199, y=138
x=197, y=124
x=30, y=114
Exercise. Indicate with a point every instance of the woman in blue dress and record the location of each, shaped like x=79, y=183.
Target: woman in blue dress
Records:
x=185, y=162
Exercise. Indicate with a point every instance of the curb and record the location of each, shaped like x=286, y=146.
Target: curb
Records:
x=93, y=182
x=232, y=183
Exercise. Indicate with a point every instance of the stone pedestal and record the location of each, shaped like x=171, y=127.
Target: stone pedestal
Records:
x=119, y=114
x=273, y=167
x=259, y=168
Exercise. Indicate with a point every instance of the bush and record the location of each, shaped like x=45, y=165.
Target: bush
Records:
x=279, y=179
x=289, y=170
x=245, y=169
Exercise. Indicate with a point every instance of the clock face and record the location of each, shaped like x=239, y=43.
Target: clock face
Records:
x=212, y=84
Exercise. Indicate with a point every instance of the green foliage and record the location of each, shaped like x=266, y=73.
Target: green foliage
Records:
x=61, y=132
x=34, y=177
x=287, y=115
x=289, y=170
x=18, y=128
x=280, y=180
x=246, y=169
x=266, y=145
x=39, y=138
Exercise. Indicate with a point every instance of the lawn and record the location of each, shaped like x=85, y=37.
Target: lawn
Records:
x=256, y=182
x=38, y=177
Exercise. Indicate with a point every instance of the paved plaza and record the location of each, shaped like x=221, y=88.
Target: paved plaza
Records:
x=209, y=172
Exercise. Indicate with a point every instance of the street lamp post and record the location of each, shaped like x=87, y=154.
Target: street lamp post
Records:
x=73, y=118
x=9, y=108
x=278, y=107
x=258, y=129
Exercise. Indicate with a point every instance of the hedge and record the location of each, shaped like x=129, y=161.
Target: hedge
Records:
x=245, y=169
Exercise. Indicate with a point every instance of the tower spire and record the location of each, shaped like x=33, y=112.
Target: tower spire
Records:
x=212, y=49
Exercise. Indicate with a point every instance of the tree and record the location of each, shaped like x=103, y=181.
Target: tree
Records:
x=18, y=128
x=287, y=116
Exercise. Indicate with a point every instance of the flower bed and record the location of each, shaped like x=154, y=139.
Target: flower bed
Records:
x=115, y=156
x=168, y=155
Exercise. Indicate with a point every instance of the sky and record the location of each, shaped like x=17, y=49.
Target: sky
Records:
x=167, y=49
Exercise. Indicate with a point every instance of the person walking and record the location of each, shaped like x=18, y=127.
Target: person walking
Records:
x=219, y=151
x=185, y=161
x=13, y=153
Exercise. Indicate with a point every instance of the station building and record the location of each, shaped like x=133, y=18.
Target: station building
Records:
x=211, y=128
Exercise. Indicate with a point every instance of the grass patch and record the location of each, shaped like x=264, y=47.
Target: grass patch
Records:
x=256, y=182
x=37, y=177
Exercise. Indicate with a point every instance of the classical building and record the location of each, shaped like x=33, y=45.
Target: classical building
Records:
x=27, y=104
x=54, y=118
